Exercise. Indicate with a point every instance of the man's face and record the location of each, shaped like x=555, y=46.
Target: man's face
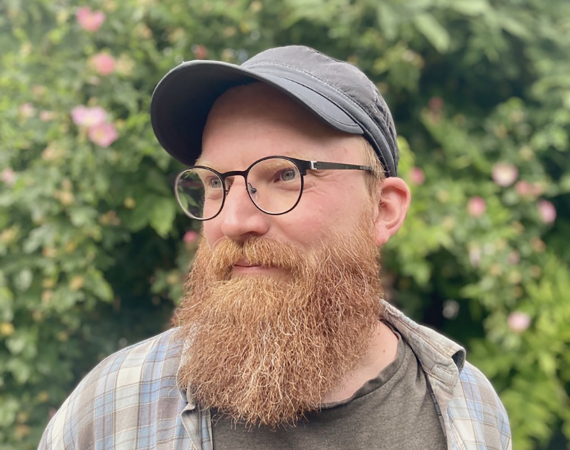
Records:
x=278, y=309
x=255, y=121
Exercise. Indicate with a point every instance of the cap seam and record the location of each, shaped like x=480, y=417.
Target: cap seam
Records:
x=324, y=112
x=342, y=94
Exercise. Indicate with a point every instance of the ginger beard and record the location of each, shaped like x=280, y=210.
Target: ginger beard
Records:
x=265, y=349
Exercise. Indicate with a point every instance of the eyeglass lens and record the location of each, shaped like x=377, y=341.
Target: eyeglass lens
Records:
x=274, y=185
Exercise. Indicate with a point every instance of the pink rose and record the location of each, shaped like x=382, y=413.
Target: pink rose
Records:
x=436, y=104
x=46, y=116
x=417, y=176
x=200, y=52
x=90, y=20
x=27, y=110
x=518, y=321
x=190, y=237
x=524, y=188
x=476, y=206
x=103, y=134
x=8, y=176
x=103, y=63
x=88, y=117
x=529, y=190
x=505, y=174
x=547, y=211
x=514, y=257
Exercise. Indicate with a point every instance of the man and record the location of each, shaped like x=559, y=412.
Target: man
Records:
x=284, y=340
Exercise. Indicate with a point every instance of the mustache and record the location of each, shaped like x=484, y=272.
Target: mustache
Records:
x=257, y=251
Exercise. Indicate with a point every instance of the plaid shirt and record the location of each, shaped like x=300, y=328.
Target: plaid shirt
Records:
x=131, y=399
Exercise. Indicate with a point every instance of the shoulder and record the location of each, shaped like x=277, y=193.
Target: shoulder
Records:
x=476, y=414
x=136, y=375
x=151, y=360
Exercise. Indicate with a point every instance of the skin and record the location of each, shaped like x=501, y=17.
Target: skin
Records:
x=254, y=121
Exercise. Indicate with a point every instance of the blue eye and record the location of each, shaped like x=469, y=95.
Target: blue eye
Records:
x=287, y=175
x=214, y=183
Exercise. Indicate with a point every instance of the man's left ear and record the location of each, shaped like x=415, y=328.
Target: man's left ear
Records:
x=392, y=208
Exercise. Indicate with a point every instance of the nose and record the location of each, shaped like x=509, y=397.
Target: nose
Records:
x=240, y=218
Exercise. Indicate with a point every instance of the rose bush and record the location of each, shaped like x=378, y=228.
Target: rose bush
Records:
x=93, y=249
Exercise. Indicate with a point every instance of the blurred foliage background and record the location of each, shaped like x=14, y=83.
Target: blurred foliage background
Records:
x=93, y=249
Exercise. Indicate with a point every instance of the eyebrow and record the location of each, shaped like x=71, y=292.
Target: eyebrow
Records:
x=200, y=162
x=292, y=154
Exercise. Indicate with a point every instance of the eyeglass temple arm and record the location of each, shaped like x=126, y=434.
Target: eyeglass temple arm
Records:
x=336, y=166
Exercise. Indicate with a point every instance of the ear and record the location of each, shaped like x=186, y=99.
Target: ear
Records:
x=392, y=208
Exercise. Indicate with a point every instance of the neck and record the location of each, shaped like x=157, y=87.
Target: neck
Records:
x=382, y=351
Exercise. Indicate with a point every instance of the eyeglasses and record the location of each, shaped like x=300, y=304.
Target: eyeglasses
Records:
x=274, y=185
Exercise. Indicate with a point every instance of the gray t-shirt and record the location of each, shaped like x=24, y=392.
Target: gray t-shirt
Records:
x=393, y=411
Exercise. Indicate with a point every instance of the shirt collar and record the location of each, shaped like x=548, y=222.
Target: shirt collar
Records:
x=439, y=356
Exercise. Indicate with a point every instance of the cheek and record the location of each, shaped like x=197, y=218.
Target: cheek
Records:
x=314, y=221
x=212, y=232
x=338, y=205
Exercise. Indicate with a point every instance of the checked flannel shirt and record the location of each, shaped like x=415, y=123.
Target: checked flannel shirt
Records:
x=131, y=399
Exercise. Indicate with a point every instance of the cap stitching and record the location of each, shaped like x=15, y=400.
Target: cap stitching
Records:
x=325, y=114
x=308, y=101
x=309, y=74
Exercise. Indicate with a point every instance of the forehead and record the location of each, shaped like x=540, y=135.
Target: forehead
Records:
x=253, y=121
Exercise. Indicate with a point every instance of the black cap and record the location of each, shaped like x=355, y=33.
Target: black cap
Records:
x=336, y=91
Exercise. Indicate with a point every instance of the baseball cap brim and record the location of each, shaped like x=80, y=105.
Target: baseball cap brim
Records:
x=182, y=101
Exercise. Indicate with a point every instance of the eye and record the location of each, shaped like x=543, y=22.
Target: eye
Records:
x=286, y=175
x=214, y=183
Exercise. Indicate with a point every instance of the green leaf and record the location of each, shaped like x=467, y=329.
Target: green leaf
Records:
x=514, y=26
x=162, y=215
x=82, y=216
x=437, y=35
x=21, y=369
x=10, y=407
x=470, y=7
x=387, y=19
x=96, y=283
x=6, y=304
x=38, y=237
x=141, y=215
x=16, y=343
x=23, y=280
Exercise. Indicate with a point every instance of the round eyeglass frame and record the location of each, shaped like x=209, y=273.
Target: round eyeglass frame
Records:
x=302, y=165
